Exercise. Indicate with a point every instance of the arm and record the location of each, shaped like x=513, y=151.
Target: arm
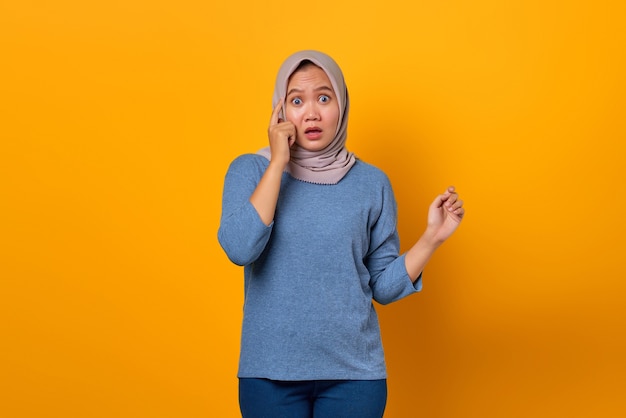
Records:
x=282, y=136
x=242, y=234
x=250, y=197
x=444, y=216
x=389, y=279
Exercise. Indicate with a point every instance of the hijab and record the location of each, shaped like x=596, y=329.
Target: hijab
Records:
x=330, y=165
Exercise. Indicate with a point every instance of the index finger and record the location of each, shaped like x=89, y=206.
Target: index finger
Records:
x=275, y=120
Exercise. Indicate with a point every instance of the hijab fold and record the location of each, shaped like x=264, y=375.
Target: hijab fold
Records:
x=330, y=165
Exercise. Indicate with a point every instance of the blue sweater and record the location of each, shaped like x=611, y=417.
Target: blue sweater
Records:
x=310, y=277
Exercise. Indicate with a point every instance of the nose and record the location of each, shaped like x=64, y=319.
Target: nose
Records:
x=312, y=112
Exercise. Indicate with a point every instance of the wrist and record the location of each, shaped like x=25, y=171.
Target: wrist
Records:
x=277, y=165
x=430, y=240
x=418, y=255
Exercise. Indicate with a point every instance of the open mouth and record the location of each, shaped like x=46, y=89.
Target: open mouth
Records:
x=313, y=133
x=313, y=130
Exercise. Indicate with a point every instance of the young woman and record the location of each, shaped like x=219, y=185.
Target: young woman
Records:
x=315, y=229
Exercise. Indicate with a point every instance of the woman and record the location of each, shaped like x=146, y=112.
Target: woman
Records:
x=315, y=229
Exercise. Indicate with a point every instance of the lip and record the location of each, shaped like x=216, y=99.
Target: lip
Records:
x=313, y=132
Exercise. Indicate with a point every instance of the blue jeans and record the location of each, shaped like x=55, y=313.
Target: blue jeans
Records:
x=264, y=398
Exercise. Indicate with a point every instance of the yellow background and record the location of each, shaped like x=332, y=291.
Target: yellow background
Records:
x=118, y=120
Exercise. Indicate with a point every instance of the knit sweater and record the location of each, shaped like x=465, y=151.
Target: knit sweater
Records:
x=311, y=275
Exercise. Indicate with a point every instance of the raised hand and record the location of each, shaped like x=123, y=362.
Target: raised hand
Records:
x=444, y=216
x=282, y=136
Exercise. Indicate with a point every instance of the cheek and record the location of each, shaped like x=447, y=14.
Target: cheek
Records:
x=291, y=114
x=333, y=115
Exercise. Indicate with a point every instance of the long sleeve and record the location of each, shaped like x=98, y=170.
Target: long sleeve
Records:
x=389, y=278
x=242, y=234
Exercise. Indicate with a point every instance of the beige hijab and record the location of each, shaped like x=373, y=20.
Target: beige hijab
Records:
x=329, y=165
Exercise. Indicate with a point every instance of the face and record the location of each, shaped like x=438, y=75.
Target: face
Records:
x=312, y=106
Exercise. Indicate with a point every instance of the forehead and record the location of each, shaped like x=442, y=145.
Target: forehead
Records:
x=309, y=75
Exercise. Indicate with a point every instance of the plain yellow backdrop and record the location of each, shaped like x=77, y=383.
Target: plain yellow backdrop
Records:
x=118, y=120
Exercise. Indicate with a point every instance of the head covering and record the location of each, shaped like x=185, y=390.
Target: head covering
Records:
x=327, y=166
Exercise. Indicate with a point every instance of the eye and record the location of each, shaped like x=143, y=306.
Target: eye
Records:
x=296, y=101
x=324, y=98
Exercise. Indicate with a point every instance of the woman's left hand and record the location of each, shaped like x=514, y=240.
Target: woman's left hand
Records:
x=444, y=216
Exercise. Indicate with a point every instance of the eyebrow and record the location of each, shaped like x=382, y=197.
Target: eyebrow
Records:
x=322, y=88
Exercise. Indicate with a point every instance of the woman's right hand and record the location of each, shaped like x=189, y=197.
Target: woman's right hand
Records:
x=282, y=135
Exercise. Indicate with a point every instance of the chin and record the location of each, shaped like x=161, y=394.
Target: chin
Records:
x=313, y=146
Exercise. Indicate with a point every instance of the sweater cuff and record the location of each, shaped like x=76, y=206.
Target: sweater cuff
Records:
x=243, y=235
x=417, y=284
